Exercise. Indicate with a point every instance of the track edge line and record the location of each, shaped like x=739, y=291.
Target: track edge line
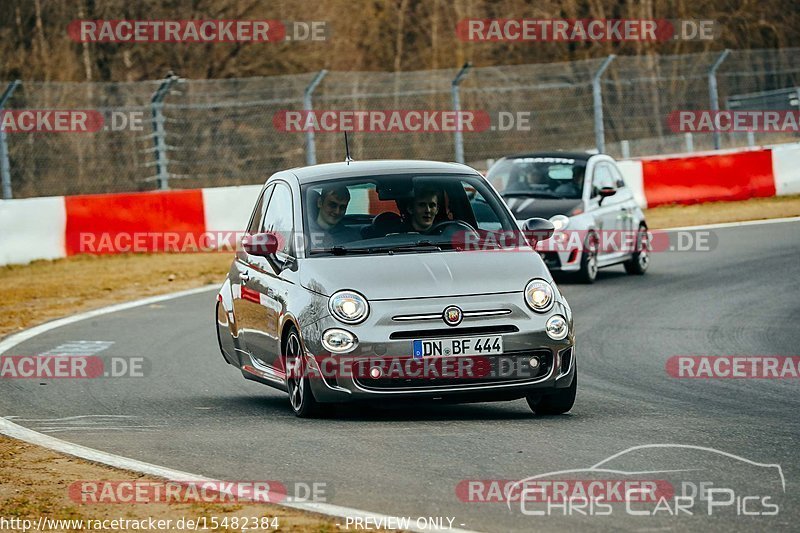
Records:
x=15, y=431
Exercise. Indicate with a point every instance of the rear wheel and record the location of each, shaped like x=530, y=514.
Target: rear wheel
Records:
x=588, y=272
x=638, y=263
x=557, y=403
x=302, y=400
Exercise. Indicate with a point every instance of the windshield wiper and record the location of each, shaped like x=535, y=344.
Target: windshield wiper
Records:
x=339, y=250
x=418, y=246
x=535, y=194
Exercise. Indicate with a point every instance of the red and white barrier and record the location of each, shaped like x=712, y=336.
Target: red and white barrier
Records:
x=711, y=176
x=32, y=228
x=786, y=168
x=54, y=227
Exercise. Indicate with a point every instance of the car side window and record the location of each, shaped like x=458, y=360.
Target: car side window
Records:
x=617, y=176
x=280, y=216
x=485, y=216
x=258, y=212
x=602, y=178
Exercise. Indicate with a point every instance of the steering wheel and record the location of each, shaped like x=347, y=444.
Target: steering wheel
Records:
x=450, y=227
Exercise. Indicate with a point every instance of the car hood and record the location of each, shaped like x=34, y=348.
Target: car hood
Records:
x=421, y=275
x=524, y=207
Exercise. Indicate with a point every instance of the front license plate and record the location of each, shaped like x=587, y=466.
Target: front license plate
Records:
x=459, y=346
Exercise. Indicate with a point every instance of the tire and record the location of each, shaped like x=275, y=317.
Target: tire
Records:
x=301, y=398
x=638, y=263
x=588, y=272
x=557, y=403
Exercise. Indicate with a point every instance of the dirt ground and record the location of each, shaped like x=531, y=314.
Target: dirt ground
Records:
x=33, y=480
x=673, y=216
x=78, y=283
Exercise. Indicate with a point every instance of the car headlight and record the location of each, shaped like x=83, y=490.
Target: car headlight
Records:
x=539, y=295
x=338, y=340
x=348, y=307
x=557, y=327
x=560, y=222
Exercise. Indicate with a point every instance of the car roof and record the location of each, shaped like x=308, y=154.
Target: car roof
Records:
x=578, y=156
x=332, y=171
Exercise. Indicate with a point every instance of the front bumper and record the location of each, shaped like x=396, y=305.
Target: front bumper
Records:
x=386, y=343
x=560, y=253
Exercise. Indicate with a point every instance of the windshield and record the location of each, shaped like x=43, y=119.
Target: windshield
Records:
x=399, y=214
x=539, y=177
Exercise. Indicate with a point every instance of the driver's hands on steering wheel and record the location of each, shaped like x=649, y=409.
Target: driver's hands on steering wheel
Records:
x=450, y=227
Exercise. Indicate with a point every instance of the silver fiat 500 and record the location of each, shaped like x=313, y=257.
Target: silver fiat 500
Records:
x=395, y=280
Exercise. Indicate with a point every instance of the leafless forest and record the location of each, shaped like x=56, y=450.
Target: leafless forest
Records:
x=366, y=35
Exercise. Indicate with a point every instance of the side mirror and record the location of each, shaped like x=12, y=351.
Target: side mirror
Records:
x=605, y=192
x=261, y=244
x=538, y=229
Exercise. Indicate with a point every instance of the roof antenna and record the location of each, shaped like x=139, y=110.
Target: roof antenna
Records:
x=347, y=158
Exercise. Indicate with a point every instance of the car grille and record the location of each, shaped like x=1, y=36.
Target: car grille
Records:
x=487, y=371
x=414, y=334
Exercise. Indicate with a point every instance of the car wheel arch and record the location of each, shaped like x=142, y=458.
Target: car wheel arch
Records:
x=289, y=322
x=225, y=295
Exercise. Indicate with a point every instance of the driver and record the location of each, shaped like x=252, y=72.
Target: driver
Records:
x=423, y=209
x=328, y=225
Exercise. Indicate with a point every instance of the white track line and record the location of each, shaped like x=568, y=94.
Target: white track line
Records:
x=735, y=224
x=10, y=429
x=17, y=338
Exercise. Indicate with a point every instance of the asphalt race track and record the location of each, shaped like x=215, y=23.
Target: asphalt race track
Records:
x=194, y=413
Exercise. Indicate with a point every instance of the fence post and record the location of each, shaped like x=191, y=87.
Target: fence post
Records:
x=687, y=137
x=159, y=132
x=597, y=95
x=454, y=90
x=5, y=167
x=311, y=147
x=625, y=147
x=714, y=94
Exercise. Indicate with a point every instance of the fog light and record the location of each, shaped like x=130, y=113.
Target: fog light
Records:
x=375, y=372
x=338, y=341
x=534, y=362
x=556, y=327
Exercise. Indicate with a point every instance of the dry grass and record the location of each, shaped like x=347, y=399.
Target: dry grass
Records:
x=673, y=216
x=34, y=482
x=44, y=290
